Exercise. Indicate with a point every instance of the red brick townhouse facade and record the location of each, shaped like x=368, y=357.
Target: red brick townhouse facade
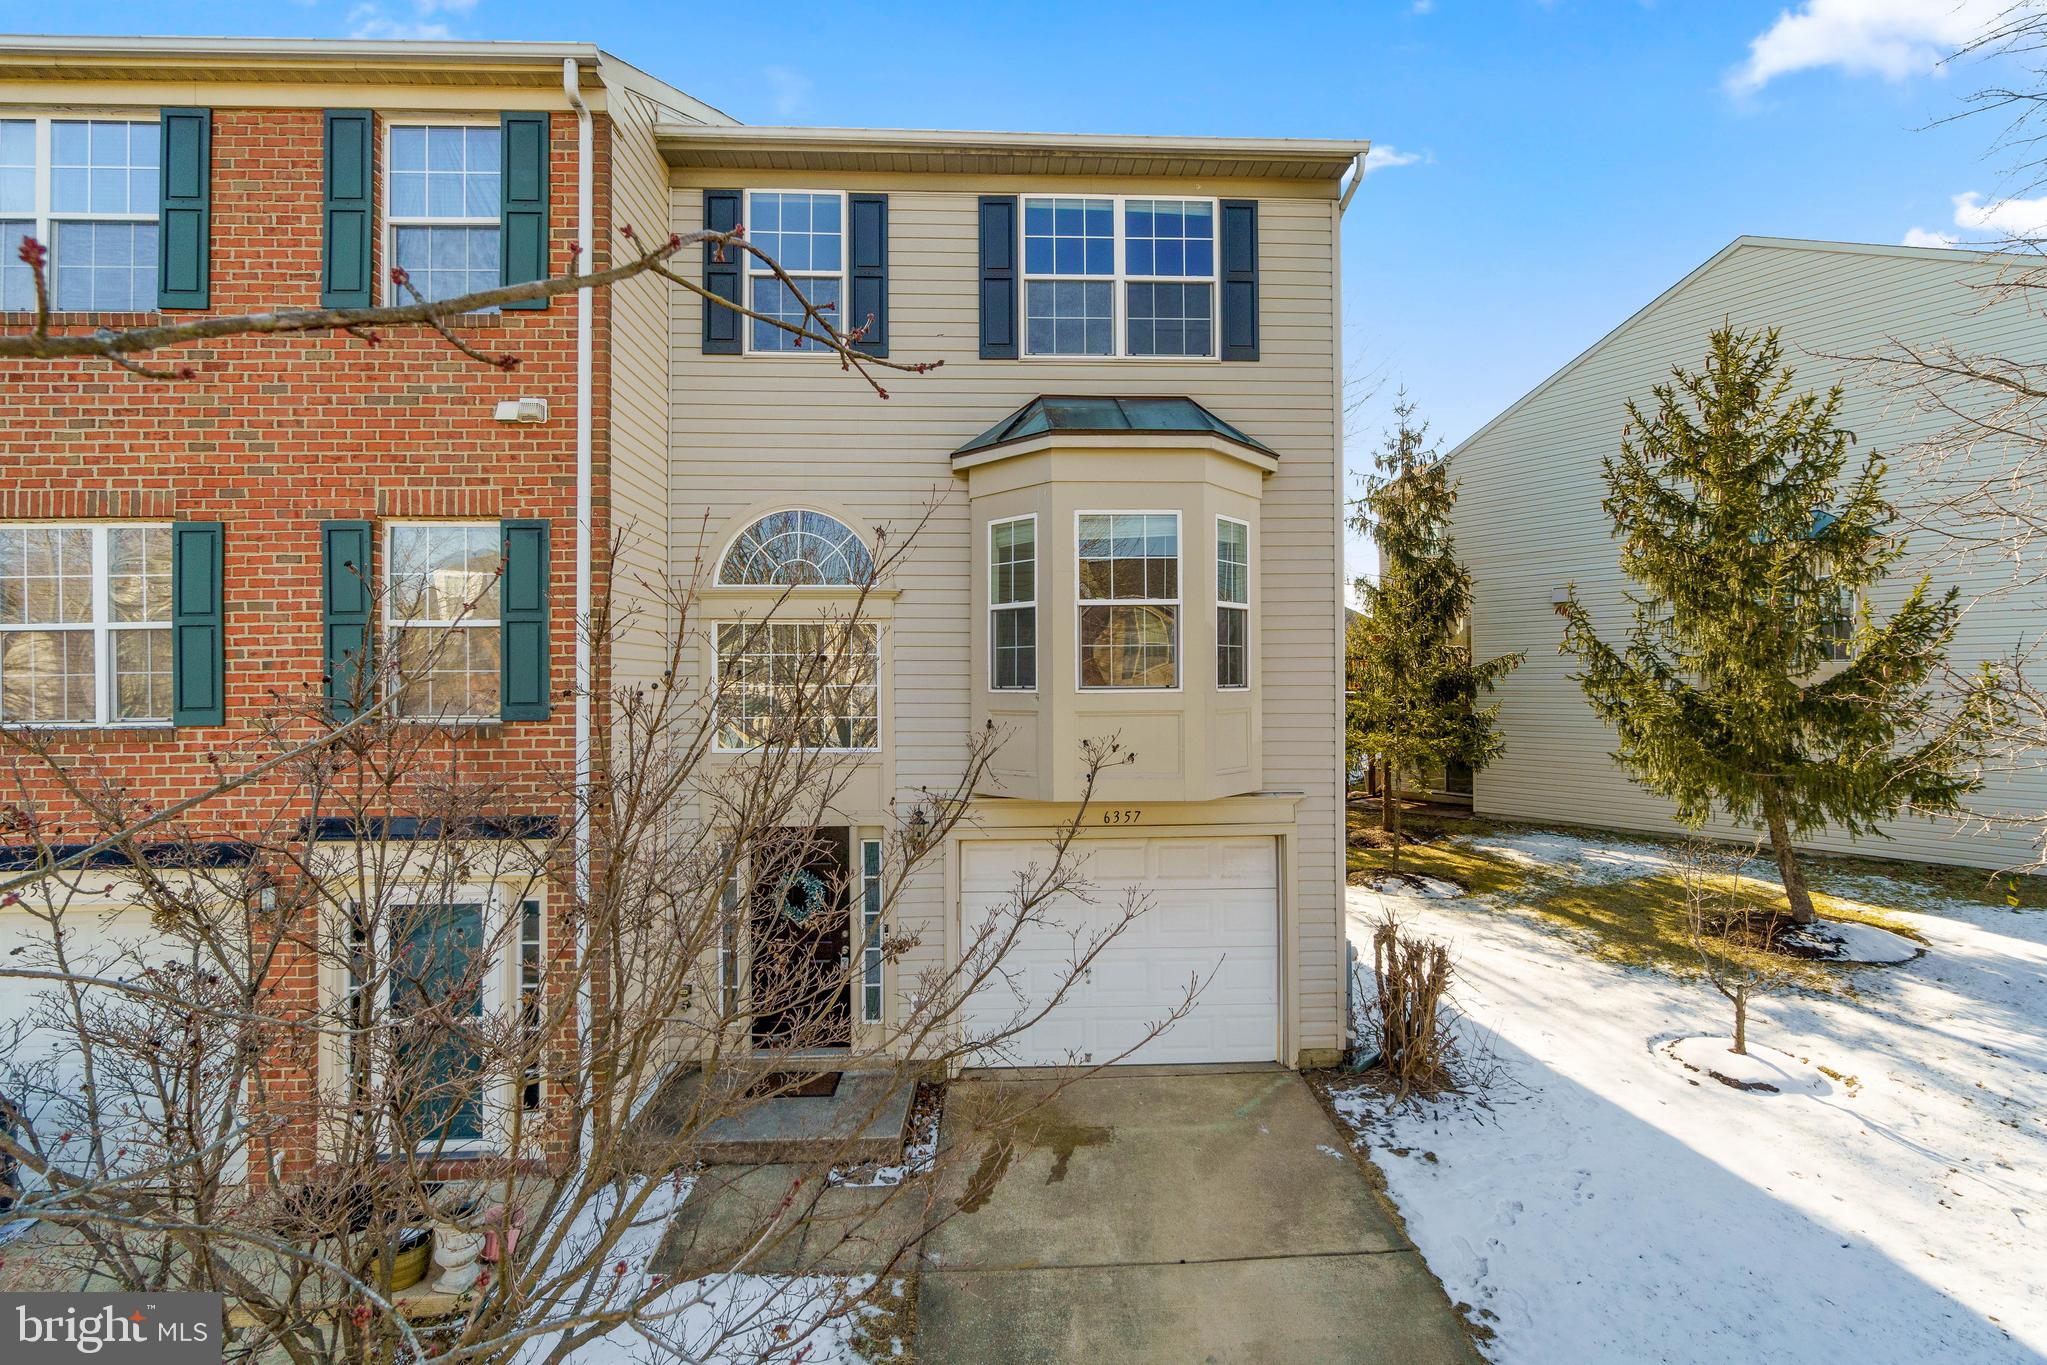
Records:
x=179, y=559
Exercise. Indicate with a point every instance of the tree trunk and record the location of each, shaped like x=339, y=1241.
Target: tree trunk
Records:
x=1385, y=796
x=1390, y=802
x=1740, y=1048
x=1787, y=862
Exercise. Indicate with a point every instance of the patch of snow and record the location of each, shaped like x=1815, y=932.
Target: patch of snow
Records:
x=1327, y=1150
x=1849, y=942
x=719, y=1319
x=1590, y=859
x=1758, y=1071
x=1412, y=884
x=1596, y=1200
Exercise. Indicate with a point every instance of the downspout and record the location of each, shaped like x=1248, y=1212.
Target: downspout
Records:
x=585, y=178
x=585, y=681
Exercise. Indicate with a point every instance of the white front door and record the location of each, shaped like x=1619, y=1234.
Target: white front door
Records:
x=1213, y=918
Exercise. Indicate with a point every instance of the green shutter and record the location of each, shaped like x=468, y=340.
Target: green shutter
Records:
x=197, y=653
x=722, y=274
x=346, y=211
x=523, y=674
x=345, y=603
x=522, y=203
x=867, y=271
x=184, y=213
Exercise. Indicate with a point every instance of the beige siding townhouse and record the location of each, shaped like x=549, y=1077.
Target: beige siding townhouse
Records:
x=1529, y=521
x=1130, y=460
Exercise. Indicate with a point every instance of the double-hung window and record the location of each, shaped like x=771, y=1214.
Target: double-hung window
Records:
x=800, y=684
x=441, y=610
x=804, y=230
x=443, y=208
x=1129, y=581
x=1119, y=277
x=1232, y=603
x=85, y=625
x=88, y=189
x=1013, y=604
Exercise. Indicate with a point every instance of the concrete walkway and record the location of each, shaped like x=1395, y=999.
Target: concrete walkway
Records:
x=1187, y=1216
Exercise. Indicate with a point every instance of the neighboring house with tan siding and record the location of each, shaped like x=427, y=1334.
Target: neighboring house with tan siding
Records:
x=1529, y=521
x=1131, y=460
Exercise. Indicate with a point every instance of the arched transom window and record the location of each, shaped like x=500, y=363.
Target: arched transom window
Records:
x=798, y=548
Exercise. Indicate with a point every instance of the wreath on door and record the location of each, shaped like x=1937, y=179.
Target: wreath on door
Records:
x=806, y=896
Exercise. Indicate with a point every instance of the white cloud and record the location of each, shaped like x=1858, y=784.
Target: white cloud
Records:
x=788, y=90
x=416, y=24
x=1894, y=39
x=2003, y=218
x=1926, y=237
x=1384, y=157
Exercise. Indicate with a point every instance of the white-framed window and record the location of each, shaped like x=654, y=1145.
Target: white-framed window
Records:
x=442, y=221
x=1013, y=604
x=800, y=683
x=796, y=548
x=805, y=231
x=1129, y=599
x=441, y=604
x=1232, y=603
x=1108, y=275
x=87, y=188
x=532, y=1005
x=85, y=624
x=1839, y=625
x=729, y=897
x=870, y=930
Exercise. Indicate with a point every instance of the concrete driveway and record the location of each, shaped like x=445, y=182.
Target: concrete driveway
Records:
x=1182, y=1216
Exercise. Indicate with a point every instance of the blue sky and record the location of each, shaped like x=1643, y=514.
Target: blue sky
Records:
x=1547, y=166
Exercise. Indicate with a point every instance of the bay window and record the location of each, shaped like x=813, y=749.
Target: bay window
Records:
x=1111, y=276
x=1129, y=593
x=1232, y=603
x=1013, y=604
x=85, y=624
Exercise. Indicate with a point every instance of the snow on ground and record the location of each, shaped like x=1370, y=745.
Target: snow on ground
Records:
x=714, y=1320
x=1590, y=860
x=1758, y=1069
x=1847, y=941
x=1606, y=1205
x=1414, y=884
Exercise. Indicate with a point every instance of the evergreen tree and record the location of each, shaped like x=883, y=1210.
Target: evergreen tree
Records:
x=1414, y=689
x=1752, y=548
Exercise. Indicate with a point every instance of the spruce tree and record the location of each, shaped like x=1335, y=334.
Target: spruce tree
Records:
x=1753, y=546
x=1415, y=691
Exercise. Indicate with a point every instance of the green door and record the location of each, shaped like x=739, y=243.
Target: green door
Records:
x=438, y=960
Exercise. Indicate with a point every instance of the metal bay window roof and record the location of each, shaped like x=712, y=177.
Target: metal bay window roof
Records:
x=1109, y=417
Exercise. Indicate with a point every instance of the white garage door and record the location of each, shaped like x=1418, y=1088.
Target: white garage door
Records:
x=1213, y=916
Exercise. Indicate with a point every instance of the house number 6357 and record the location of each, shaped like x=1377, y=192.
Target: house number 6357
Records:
x=1121, y=817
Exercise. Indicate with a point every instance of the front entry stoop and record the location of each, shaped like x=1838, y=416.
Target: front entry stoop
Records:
x=864, y=1120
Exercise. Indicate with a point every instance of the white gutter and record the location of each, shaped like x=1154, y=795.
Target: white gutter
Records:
x=585, y=176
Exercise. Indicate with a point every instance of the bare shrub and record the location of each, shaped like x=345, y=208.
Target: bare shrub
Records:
x=1409, y=1016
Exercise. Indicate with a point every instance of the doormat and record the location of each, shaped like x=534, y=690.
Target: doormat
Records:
x=795, y=1085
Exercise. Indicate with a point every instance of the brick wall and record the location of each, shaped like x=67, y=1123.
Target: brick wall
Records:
x=275, y=435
